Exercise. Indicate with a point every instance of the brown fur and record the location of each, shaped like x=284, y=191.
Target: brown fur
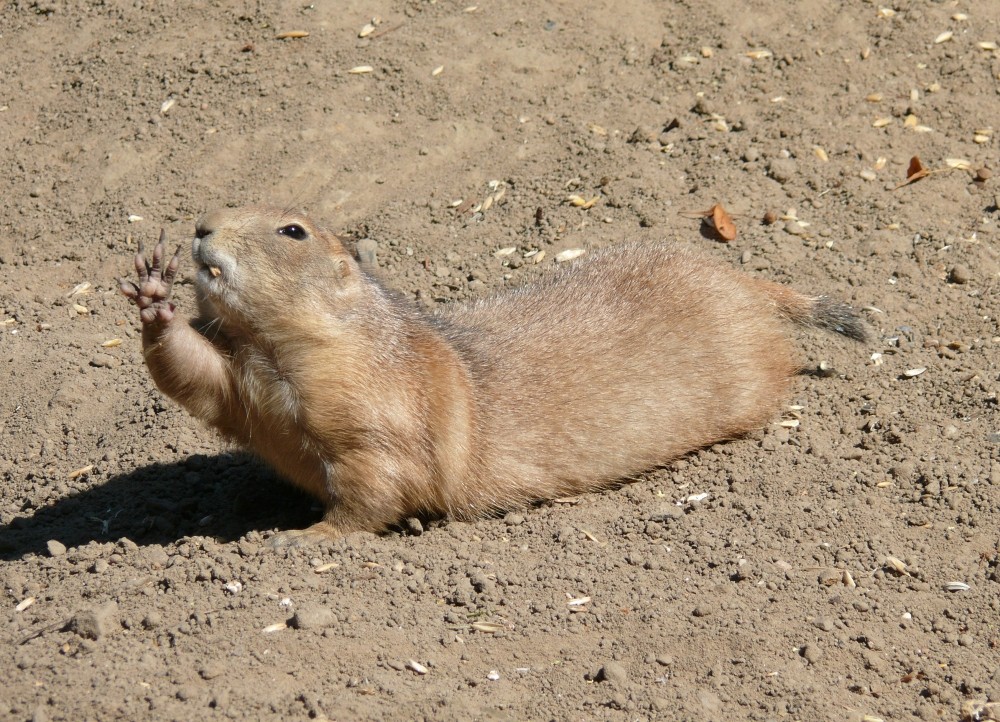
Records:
x=609, y=367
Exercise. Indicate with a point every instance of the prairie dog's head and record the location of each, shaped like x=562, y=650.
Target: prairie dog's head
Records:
x=258, y=265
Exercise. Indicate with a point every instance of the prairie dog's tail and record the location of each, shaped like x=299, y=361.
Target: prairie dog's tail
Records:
x=817, y=311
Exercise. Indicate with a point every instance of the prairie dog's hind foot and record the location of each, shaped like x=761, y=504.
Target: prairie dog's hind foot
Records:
x=321, y=531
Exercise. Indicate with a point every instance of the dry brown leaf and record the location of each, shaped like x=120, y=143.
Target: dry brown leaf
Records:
x=915, y=172
x=723, y=223
x=721, y=220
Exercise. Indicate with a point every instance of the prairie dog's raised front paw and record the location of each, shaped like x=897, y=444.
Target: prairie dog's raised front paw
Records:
x=152, y=293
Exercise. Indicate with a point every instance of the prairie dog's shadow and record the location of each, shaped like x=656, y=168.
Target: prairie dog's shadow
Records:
x=223, y=496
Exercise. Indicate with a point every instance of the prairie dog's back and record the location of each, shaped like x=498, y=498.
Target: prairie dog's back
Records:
x=611, y=365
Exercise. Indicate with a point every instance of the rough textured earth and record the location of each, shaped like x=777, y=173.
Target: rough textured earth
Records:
x=844, y=568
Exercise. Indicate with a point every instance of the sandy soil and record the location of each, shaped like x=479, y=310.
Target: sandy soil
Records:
x=844, y=568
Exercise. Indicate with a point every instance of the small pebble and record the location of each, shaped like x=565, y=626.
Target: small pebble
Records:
x=612, y=672
x=104, y=360
x=313, y=617
x=960, y=274
x=781, y=169
x=413, y=526
x=793, y=228
x=811, y=653
x=56, y=548
x=823, y=623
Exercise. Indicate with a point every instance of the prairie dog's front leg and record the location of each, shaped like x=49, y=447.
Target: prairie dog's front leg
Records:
x=184, y=364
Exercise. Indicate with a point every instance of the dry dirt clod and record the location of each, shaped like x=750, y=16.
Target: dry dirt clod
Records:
x=313, y=617
x=95, y=623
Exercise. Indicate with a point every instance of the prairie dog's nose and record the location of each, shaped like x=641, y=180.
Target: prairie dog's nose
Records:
x=210, y=222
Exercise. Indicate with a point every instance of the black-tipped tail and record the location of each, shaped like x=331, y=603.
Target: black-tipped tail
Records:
x=838, y=317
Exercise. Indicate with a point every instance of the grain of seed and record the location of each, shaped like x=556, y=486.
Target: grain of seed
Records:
x=361, y=69
x=922, y=129
x=886, y=12
x=78, y=289
x=987, y=45
x=24, y=604
x=909, y=121
x=820, y=153
x=487, y=627
x=82, y=310
x=504, y=252
x=578, y=601
x=455, y=203
x=569, y=254
x=789, y=423
x=848, y=580
x=868, y=174
x=959, y=163
x=367, y=30
x=111, y=343
x=538, y=257
x=292, y=35
x=417, y=667
x=957, y=587
x=959, y=17
x=581, y=202
x=881, y=122
x=706, y=52
x=133, y=218
x=437, y=71
x=911, y=373
x=167, y=105
x=326, y=567
x=914, y=95
x=874, y=98
x=487, y=203
x=897, y=566
x=471, y=9
x=498, y=196
x=76, y=473
x=944, y=37
x=591, y=536
x=276, y=627
x=759, y=54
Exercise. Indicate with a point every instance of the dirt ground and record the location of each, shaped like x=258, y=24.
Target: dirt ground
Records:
x=847, y=567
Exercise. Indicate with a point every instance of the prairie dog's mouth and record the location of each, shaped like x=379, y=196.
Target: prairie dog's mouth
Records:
x=215, y=271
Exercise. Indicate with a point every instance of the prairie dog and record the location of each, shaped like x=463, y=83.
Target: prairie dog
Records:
x=603, y=369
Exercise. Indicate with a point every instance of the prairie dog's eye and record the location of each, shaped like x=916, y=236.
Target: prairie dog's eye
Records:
x=294, y=231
